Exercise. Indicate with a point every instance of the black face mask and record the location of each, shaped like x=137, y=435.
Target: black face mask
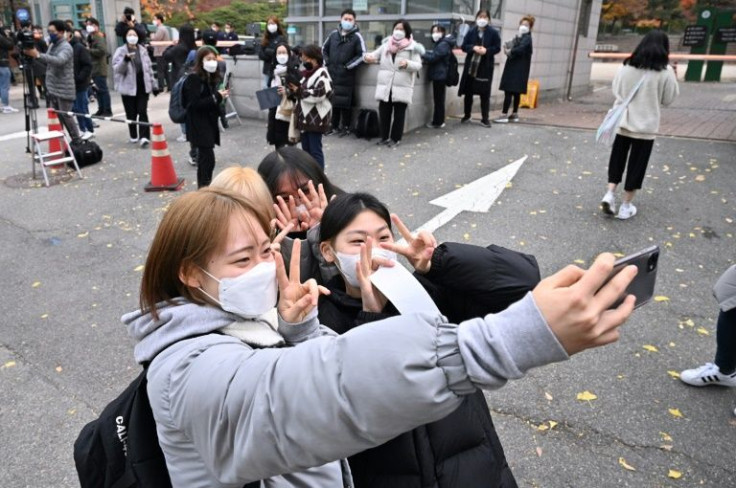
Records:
x=308, y=66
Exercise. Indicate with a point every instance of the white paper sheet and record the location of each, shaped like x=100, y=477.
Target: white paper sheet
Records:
x=403, y=290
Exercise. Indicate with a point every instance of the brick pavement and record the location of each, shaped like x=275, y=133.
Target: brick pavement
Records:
x=702, y=111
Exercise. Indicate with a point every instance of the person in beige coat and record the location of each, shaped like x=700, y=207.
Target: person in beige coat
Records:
x=399, y=58
x=639, y=125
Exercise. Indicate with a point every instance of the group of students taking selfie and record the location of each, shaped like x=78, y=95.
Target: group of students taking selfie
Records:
x=274, y=356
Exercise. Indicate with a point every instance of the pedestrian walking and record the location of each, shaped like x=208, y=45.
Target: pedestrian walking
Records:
x=438, y=61
x=343, y=52
x=313, y=110
x=273, y=36
x=98, y=52
x=82, y=77
x=217, y=306
x=177, y=55
x=161, y=35
x=632, y=147
x=135, y=81
x=399, y=60
x=202, y=97
x=515, y=77
x=480, y=44
x=6, y=45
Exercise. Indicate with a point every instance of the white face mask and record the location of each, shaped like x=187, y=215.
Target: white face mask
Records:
x=132, y=40
x=481, y=22
x=346, y=264
x=399, y=34
x=90, y=29
x=210, y=66
x=523, y=29
x=436, y=36
x=272, y=28
x=251, y=294
x=282, y=58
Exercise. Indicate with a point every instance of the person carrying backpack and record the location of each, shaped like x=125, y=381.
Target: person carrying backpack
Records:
x=438, y=60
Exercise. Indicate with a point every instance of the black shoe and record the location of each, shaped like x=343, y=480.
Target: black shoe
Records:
x=106, y=114
x=514, y=118
x=344, y=132
x=393, y=144
x=383, y=142
x=485, y=123
x=97, y=114
x=465, y=119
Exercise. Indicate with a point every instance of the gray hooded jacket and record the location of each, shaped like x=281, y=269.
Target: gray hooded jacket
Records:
x=228, y=414
x=59, y=61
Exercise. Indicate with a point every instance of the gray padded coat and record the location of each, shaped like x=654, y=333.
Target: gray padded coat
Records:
x=59, y=61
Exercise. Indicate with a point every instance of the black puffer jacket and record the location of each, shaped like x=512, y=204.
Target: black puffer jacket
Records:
x=343, y=53
x=462, y=450
x=82, y=65
x=516, y=70
x=202, y=101
x=267, y=53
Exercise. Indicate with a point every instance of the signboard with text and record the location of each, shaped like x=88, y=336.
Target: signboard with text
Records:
x=695, y=35
x=725, y=34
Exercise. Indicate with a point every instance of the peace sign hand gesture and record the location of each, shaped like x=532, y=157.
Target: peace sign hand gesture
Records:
x=373, y=300
x=296, y=299
x=417, y=250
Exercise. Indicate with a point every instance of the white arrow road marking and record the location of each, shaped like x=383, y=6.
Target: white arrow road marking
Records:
x=477, y=196
x=18, y=135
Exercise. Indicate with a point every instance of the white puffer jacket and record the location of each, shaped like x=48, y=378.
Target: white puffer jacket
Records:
x=392, y=80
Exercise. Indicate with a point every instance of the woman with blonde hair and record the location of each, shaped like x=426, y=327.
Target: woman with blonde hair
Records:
x=247, y=182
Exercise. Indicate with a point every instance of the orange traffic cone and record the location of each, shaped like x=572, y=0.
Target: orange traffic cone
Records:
x=163, y=176
x=55, y=144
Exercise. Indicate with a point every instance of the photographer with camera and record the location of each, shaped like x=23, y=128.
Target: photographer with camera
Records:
x=59, y=62
x=6, y=45
x=127, y=22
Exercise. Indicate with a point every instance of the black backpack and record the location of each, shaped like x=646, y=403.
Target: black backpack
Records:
x=177, y=110
x=366, y=126
x=86, y=153
x=120, y=448
x=453, y=73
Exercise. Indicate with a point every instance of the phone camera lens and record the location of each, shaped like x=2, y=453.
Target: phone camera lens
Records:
x=652, y=263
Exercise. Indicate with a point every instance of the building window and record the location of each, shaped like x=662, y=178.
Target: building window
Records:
x=584, y=20
x=463, y=7
x=363, y=7
x=304, y=8
x=76, y=10
x=302, y=33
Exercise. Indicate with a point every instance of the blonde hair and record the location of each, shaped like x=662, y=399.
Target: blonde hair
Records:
x=194, y=228
x=246, y=182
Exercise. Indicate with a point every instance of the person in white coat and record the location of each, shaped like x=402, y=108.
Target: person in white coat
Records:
x=640, y=122
x=399, y=58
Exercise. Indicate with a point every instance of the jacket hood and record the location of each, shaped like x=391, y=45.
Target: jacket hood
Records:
x=450, y=39
x=355, y=29
x=177, y=320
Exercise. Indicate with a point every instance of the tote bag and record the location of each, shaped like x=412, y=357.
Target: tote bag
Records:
x=607, y=131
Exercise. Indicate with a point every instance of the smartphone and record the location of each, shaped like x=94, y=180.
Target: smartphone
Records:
x=642, y=287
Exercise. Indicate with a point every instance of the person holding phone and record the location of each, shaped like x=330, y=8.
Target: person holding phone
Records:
x=202, y=98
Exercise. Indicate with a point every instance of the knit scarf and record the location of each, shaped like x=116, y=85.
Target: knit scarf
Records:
x=395, y=46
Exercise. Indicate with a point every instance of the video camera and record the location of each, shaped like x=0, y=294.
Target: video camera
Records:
x=24, y=37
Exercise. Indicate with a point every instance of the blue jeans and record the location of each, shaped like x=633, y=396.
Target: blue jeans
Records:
x=5, y=85
x=312, y=143
x=81, y=106
x=104, y=105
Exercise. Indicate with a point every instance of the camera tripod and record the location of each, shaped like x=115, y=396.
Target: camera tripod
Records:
x=30, y=99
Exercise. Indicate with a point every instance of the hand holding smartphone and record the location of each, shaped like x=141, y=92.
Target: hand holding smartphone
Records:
x=642, y=287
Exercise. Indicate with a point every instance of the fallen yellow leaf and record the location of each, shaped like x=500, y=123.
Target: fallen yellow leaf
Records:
x=586, y=396
x=36, y=284
x=625, y=465
x=661, y=298
x=674, y=474
x=542, y=427
x=83, y=234
x=674, y=374
x=548, y=396
x=539, y=451
x=675, y=412
x=552, y=424
x=9, y=364
x=45, y=316
x=139, y=268
x=666, y=437
x=702, y=331
x=650, y=348
x=59, y=369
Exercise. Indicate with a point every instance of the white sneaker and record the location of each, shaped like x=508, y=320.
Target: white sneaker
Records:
x=626, y=211
x=9, y=110
x=608, y=203
x=708, y=374
x=181, y=138
x=144, y=142
x=86, y=135
x=133, y=140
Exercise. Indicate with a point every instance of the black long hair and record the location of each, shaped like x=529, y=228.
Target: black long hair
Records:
x=292, y=161
x=186, y=37
x=653, y=52
x=344, y=208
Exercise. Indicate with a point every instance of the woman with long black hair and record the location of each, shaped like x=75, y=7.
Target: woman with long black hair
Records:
x=202, y=97
x=648, y=64
x=273, y=36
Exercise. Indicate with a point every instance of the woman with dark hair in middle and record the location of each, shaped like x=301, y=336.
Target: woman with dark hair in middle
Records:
x=285, y=69
x=648, y=65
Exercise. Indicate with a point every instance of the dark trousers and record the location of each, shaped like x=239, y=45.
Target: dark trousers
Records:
x=81, y=106
x=68, y=121
x=161, y=72
x=136, y=109
x=507, y=97
x=726, y=341
x=485, y=105
x=637, y=152
x=104, y=104
x=205, y=165
x=341, y=118
x=312, y=143
x=439, y=90
x=393, y=131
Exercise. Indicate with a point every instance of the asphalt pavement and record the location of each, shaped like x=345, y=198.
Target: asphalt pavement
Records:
x=73, y=253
